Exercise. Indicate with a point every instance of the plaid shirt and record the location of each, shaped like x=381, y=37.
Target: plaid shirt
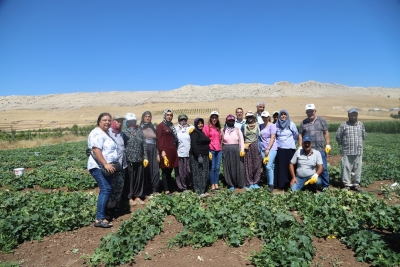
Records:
x=351, y=138
x=316, y=131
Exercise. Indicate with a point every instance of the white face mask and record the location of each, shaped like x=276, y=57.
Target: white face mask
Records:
x=183, y=122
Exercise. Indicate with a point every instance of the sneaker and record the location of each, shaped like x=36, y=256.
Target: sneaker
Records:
x=203, y=195
x=251, y=186
x=232, y=188
x=271, y=188
x=247, y=188
x=358, y=188
x=255, y=186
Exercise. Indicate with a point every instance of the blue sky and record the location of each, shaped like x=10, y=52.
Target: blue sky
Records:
x=54, y=46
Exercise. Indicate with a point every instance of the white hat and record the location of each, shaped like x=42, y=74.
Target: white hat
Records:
x=310, y=106
x=249, y=114
x=130, y=117
x=275, y=112
x=214, y=113
x=265, y=114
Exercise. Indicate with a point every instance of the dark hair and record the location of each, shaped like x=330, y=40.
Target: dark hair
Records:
x=238, y=108
x=217, y=124
x=101, y=116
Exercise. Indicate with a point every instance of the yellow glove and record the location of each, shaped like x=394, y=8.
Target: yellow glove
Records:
x=166, y=162
x=265, y=160
x=210, y=155
x=145, y=163
x=242, y=153
x=327, y=149
x=191, y=130
x=312, y=180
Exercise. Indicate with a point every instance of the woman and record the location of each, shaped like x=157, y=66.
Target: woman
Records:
x=286, y=137
x=136, y=154
x=199, y=157
x=233, y=150
x=152, y=173
x=118, y=179
x=252, y=159
x=103, y=151
x=268, y=147
x=213, y=131
x=167, y=143
x=183, y=174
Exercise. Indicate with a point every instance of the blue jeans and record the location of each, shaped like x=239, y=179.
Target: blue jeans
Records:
x=324, y=177
x=270, y=166
x=300, y=184
x=214, y=166
x=104, y=183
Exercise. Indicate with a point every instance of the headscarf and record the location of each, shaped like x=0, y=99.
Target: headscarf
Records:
x=196, y=121
x=171, y=126
x=227, y=126
x=283, y=124
x=135, y=128
x=147, y=125
x=115, y=126
x=251, y=126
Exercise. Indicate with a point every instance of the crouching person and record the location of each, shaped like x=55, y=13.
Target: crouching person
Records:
x=309, y=167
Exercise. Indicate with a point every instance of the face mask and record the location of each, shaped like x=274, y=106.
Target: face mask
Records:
x=183, y=122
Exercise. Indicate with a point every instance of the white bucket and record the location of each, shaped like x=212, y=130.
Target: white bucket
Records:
x=19, y=171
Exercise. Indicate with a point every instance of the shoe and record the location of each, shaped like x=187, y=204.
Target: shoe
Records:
x=203, y=195
x=247, y=188
x=347, y=188
x=132, y=202
x=358, y=188
x=218, y=189
x=256, y=186
x=271, y=188
x=251, y=186
x=232, y=188
x=102, y=224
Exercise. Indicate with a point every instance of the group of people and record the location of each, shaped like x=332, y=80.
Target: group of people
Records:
x=246, y=144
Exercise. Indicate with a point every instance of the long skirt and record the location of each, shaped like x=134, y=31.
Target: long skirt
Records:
x=183, y=174
x=281, y=173
x=201, y=174
x=117, y=188
x=134, y=180
x=233, y=166
x=252, y=165
x=152, y=171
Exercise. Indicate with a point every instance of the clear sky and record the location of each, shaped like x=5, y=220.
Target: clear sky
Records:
x=65, y=46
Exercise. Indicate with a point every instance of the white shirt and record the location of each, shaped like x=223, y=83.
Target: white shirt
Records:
x=109, y=148
x=184, y=140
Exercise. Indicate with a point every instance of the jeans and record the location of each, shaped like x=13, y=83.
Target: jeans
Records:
x=214, y=166
x=300, y=184
x=104, y=183
x=324, y=177
x=270, y=166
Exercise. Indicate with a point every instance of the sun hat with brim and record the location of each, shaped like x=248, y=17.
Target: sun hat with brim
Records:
x=230, y=117
x=117, y=117
x=130, y=117
x=265, y=114
x=249, y=114
x=307, y=138
x=353, y=110
x=214, y=113
x=182, y=116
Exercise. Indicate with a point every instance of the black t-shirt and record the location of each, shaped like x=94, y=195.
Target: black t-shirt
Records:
x=199, y=144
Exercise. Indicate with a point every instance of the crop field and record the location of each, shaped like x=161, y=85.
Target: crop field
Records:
x=57, y=194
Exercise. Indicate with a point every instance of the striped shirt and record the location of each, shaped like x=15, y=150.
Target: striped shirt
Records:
x=316, y=131
x=351, y=138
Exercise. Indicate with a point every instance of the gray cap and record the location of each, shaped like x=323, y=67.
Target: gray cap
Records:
x=353, y=110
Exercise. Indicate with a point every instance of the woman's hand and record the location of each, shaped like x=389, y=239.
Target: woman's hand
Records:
x=163, y=154
x=109, y=167
x=266, y=152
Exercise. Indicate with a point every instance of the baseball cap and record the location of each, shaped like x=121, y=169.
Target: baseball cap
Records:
x=353, y=110
x=265, y=114
x=249, y=114
x=275, y=112
x=310, y=106
x=307, y=138
x=182, y=116
x=117, y=117
x=214, y=113
x=230, y=117
x=130, y=116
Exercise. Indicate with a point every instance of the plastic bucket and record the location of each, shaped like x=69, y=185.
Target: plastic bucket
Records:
x=19, y=171
x=37, y=153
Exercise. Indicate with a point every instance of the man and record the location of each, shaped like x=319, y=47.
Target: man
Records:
x=317, y=128
x=275, y=116
x=350, y=135
x=239, y=118
x=260, y=108
x=309, y=167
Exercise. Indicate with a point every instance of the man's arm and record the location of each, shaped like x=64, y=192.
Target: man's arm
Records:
x=292, y=173
x=327, y=138
x=320, y=168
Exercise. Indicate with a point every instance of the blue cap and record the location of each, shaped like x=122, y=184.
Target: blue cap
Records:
x=307, y=138
x=353, y=110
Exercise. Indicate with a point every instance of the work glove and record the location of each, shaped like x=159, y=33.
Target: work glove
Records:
x=200, y=160
x=312, y=180
x=327, y=149
x=158, y=158
x=210, y=155
x=265, y=160
x=166, y=162
x=191, y=130
x=242, y=153
x=145, y=163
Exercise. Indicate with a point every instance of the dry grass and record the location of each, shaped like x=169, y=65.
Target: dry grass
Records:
x=5, y=145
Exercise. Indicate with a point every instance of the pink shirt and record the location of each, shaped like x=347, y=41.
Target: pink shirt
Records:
x=214, y=136
x=233, y=138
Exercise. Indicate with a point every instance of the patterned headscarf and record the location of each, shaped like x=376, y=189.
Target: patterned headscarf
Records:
x=283, y=124
x=171, y=126
x=116, y=127
x=146, y=125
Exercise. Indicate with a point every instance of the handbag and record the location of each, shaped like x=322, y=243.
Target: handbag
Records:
x=104, y=171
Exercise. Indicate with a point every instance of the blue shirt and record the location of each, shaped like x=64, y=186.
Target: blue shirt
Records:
x=239, y=124
x=287, y=138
